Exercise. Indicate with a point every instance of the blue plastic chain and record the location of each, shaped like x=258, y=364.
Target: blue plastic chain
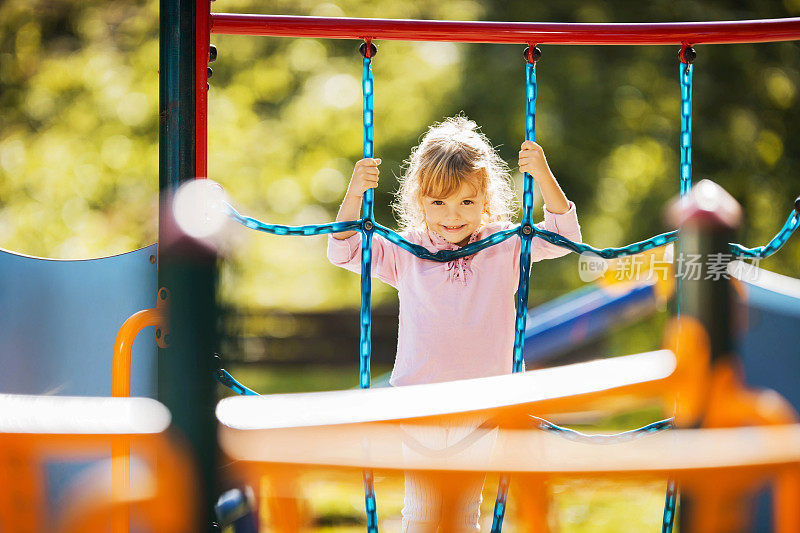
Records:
x=522, y=294
x=368, y=225
x=279, y=229
x=669, y=506
x=224, y=377
x=527, y=231
x=370, y=503
x=685, y=72
x=774, y=245
x=616, y=438
x=444, y=256
x=613, y=438
x=759, y=252
x=500, y=505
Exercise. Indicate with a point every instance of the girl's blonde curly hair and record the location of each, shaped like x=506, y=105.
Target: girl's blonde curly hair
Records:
x=453, y=152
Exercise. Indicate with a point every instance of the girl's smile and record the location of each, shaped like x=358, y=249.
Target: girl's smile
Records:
x=456, y=217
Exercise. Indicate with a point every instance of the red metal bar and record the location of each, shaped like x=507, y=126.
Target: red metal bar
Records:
x=202, y=33
x=745, y=31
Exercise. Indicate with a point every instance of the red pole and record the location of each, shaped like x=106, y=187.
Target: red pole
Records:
x=672, y=33
x=203, y=31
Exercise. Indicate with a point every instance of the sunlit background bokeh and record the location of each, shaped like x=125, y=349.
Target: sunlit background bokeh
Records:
x=79, y=108
x=79, y=135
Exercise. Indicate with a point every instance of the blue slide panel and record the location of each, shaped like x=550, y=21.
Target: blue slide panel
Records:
x=582, y=316
x=61, y=318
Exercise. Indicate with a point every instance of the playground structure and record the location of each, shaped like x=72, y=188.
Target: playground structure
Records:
x=35, y=430
x=703, y=387
x=702, y=381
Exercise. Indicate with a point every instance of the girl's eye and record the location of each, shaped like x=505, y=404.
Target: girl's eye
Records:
x=438, y=202
x=468, y=202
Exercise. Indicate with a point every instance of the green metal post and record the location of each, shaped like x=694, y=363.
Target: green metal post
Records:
x=708, y=218
x=187, y=268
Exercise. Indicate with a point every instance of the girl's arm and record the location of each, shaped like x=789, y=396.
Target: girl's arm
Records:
x=344, y=248
x=365, y=176
x=554, y=198
x=559, y=212
x=386, y=262
x=533, y=161
x=565, y=224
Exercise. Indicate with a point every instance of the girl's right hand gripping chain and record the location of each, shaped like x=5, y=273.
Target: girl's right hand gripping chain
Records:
x=365, y=176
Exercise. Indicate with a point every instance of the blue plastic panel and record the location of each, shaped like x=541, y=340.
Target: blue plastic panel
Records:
x=582, y=316
x=769, y=342
x=769, y=346
x=60, y=319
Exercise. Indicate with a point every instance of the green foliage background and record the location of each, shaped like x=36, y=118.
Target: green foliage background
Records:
x=79, y=110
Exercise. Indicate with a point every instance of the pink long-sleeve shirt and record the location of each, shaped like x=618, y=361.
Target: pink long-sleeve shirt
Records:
x=456, y=318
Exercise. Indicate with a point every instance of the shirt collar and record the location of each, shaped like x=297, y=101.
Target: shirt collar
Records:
x=440, y=243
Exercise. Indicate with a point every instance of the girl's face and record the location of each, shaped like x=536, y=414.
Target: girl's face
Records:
x=456, y=217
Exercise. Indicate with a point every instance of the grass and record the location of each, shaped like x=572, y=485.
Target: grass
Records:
x=336, y=504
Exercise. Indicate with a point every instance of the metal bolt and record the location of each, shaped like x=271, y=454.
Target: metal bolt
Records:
x=368, y=225
x=372, y=49
x=537, y=54
x=688, y=54
x=527, y=229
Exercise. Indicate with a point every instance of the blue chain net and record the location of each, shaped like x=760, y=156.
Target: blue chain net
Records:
x=526, y=231
x=760, y=252
x=368, y=223
x=685, y=71
x=444, y=256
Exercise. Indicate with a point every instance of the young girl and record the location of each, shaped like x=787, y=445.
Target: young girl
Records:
x=457, y=318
